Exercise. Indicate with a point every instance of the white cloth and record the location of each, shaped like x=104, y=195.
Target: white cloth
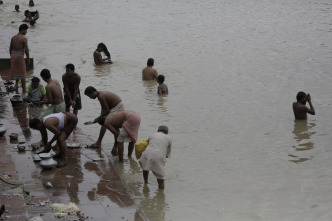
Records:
x=155, y=154
x=61, y=118
x=123, y=136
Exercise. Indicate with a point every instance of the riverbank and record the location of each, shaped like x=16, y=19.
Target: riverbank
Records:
x=89, y=180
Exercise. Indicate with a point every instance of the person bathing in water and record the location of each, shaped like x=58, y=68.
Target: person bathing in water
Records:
x=299, y=107
x=99, y=60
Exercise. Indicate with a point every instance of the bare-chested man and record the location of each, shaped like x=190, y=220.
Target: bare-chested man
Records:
x=71, y=83
x=31, y=16
x=149, y=73
x=19, y=46
x=300, y=109
x=110, y=104
x=124, y=125
x=53, y=94
x=61, y=125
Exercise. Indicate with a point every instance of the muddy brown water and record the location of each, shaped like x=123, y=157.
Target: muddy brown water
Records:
x=233, y=69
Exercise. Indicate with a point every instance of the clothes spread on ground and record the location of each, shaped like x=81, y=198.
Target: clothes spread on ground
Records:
x=18, y=69
x=131, y=125
x=54, y=108
x=61, y=118
x=154, y=156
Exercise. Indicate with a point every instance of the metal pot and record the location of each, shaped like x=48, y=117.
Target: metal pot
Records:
x=47, y=161
x=3, y=129
x=13, y=136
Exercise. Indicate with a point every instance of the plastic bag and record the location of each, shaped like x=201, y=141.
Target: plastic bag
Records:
x=140, y=147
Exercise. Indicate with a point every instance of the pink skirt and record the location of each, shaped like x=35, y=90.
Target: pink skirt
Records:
x=131, y=126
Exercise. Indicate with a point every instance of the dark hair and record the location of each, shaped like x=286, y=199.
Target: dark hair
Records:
x=103, y=46
x=17, y=6
x=161, y=78
x=45, y=73
x=23, y=27
x=300, y=95
x=163, y=129
x=150, y=62
x=26, y=12
x=101, y=120
x=34, y=122
x=70, y=66
x=35, y=80
x=89, y=90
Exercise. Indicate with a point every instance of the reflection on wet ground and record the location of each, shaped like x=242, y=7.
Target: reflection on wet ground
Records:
x=89, y=180
x=302, y=131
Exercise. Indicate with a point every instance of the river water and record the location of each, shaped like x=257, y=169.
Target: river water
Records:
x=233, y=69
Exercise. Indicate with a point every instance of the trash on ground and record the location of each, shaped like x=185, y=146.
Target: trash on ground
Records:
x=63, y=210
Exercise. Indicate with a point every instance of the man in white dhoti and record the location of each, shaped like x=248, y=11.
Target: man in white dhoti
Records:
x=155, y=154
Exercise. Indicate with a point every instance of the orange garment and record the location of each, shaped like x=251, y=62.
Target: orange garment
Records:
x=18, y=69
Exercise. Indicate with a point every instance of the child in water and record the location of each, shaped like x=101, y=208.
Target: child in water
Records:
x=162, y=88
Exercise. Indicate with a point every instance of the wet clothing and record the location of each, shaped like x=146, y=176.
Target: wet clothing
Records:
x=54, y=108
x=131, y=126
x=154, y=156
x=119, y=107
x=123, y=136
x=17, y=68
x=61, y=118
x=78, y=105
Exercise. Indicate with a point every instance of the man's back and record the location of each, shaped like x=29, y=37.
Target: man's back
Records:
x=110, y=98
x=54, y=92
x=18, y=43
x=117, y=119
x=149, y=73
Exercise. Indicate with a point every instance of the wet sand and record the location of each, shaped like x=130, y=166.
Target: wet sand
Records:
x=89, y=180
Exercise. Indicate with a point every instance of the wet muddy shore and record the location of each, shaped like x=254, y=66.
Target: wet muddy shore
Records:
x=89, y=180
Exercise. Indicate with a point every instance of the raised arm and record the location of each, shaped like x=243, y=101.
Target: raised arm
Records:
x=311, y=110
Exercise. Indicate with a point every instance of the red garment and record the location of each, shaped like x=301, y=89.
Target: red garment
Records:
x=18, y=69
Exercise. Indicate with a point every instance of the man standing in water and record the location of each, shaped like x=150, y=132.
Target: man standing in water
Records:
x=110, y=104
x=19, y=46
x=61, y=125
x=71, y=82
x=53, y=95
x=300, y=109
x=154, y=156
x=149, y=73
